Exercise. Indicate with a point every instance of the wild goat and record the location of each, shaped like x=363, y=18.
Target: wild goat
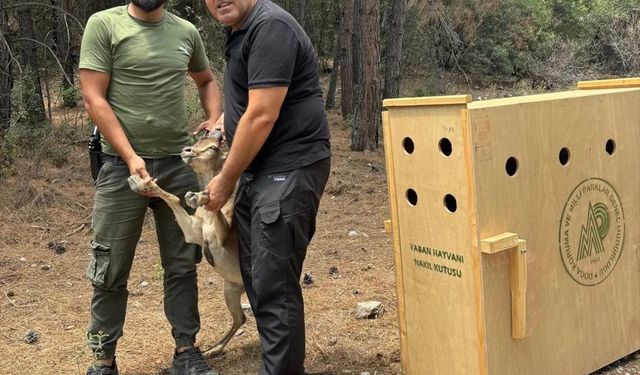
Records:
x=211, y=230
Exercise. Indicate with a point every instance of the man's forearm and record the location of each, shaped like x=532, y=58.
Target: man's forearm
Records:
x=210, y=99
x=105, y=119
x=250, y=136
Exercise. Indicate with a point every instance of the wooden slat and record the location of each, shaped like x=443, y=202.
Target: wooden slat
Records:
x=475, y=254
x=501, y=242
x=428, y=101
x=610, y=83
x=518, y=274
x=541, y=98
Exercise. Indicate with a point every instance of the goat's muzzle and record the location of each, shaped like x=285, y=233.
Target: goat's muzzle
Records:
x=187, y=155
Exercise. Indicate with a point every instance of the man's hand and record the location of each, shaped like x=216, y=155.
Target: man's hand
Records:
x=220, y=190
x=210, y=125
x=137, y=167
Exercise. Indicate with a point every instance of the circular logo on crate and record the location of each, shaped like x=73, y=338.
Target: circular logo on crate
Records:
x=592, y=231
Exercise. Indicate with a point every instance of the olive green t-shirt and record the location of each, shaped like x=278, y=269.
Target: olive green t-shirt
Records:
x=148, y=63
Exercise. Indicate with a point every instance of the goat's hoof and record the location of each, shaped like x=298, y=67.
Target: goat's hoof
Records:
x=192, y=199
x=138, y=185
x=195, y=200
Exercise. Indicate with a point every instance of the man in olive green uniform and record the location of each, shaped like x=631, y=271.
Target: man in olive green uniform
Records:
x=133, y=65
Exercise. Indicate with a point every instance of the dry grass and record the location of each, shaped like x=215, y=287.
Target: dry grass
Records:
x=53, y=207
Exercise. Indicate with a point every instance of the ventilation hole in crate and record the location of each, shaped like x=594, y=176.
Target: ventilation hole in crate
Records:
x=512, y=166
x=610, y=147
x=451, y=203
x=408, y=145
x=564, y=156
x=445, y=147
x=412, y=197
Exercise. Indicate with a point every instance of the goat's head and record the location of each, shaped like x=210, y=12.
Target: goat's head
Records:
x=206, y=155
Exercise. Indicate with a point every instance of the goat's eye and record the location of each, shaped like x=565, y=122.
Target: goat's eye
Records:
x=213, y=148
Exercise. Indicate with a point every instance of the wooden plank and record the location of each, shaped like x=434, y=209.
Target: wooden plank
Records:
x=518, y=273
x=571, y=327
x=501, y=242
x=475, y=256
x=543, y=98
x=610, y=83
x=393, y=202
x=440, y=269
x=427, y=101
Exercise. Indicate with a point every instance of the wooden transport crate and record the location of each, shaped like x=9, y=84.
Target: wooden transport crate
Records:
x=516, y=226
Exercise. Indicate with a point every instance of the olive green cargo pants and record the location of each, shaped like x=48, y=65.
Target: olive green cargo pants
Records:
x=118, y=216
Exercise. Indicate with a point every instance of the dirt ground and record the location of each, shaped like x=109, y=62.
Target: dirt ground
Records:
x=45, y=216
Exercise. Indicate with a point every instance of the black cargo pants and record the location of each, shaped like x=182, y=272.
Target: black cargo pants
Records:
x=276, y=219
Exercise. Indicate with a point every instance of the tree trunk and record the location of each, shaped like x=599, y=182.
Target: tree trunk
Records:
x=66, y=51
x=356, y=43
x=30, y=80
x=346, y=59
x=302, y=14
x=333, y=81
x=394, y=50
x=6, y=77
x=365, y=130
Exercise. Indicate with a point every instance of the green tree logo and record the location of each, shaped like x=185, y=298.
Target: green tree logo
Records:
x=591, y=231
x=596, y=230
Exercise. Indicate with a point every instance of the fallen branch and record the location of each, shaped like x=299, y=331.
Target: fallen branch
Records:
x=81, y=205
x=13, y=302
x=39, y=227
x=81, y=227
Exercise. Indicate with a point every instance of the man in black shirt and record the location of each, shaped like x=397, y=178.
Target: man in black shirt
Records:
x=279, y=136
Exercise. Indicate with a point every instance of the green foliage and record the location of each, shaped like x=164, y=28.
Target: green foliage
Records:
x=549, y=42
x=70, y=96
x=35, y=140
x=26, y=100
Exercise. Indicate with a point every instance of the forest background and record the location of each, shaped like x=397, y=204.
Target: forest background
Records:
x=368, y=49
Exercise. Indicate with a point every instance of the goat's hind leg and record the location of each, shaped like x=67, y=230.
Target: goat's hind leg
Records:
x=190, y=225
x=232, y=294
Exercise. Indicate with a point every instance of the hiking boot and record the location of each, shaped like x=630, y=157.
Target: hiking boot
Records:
x=103, y=370
x=191, y=362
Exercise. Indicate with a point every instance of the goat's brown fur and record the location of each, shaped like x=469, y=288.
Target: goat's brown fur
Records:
x=212, y=230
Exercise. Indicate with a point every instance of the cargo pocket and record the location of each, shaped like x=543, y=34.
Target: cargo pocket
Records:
x=99, y=264
x=273, y=234
x=269, y=212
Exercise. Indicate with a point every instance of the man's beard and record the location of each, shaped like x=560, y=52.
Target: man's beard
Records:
x=149, y=5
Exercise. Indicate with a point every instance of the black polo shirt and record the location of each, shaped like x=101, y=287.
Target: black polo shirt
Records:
x=272, y=50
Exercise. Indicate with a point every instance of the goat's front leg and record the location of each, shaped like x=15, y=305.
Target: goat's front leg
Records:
x=195, y=200
x=220, y=223
x=190, y=225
